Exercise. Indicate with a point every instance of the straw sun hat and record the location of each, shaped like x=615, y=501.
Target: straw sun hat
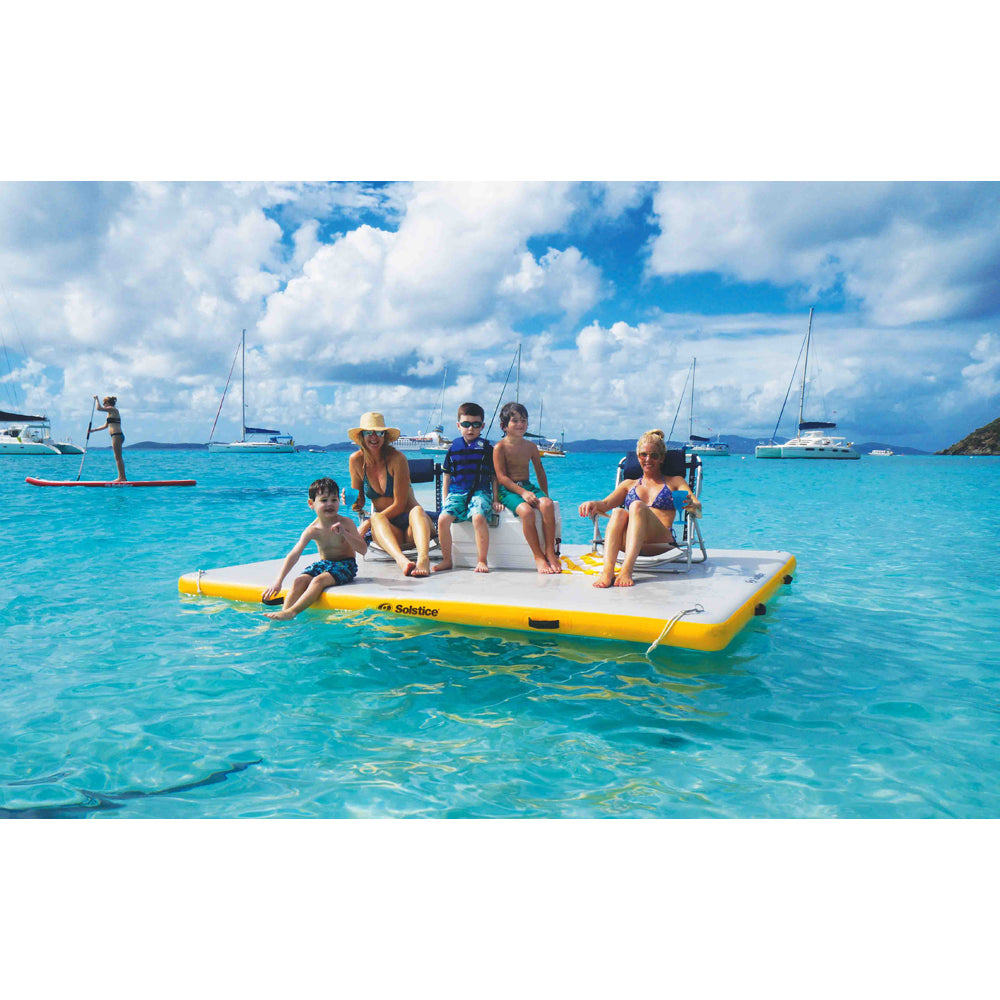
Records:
x=372, y=422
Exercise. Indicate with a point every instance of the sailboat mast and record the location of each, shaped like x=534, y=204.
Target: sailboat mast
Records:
x=243, y=390
x=694, y=362
x=517, y=384
x=805, y=368
x=439, y=408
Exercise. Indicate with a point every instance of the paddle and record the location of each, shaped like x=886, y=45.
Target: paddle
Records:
x=86, y=443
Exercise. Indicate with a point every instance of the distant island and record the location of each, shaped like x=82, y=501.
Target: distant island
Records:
x=984, y=441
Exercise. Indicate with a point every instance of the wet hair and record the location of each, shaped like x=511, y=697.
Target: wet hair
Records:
x=654, y=438
x=509, y=409
x=324, y=485
x=471, y=410
x=109, y=401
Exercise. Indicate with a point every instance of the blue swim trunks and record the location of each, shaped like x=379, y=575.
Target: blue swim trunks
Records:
x=342, y=570
x=480, y=503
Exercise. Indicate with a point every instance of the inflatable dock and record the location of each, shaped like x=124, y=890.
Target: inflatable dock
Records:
x=700, y=609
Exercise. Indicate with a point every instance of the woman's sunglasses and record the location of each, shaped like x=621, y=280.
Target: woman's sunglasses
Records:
x=372, y=434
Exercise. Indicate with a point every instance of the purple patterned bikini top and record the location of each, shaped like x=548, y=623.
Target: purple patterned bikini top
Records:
x=663, y=501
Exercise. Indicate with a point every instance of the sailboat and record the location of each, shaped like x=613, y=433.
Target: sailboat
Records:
x=277, y=442
x=552, y=447
x=432, y=440
x=698, y=445
x=812, y=441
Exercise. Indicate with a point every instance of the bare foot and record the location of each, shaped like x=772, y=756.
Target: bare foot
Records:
x=604, y=580
x=624, y=580
x=481, y=567
x=409, y=568
x=441, y=566
x=280, y=616
x=542, y=565
x=423, y=567
x=554, y=563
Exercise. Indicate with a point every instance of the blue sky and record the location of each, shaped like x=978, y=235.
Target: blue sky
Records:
x=356, y=296
x=775, y=181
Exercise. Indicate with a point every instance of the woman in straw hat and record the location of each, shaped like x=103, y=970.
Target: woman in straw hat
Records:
x=381, y=473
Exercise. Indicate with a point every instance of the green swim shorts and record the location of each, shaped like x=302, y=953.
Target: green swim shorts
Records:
x=512, y=500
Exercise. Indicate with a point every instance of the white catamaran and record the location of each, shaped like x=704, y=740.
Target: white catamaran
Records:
x=277, y=442
x=812, y=441
x=30, y=434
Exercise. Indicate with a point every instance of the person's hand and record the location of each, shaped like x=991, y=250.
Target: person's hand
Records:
x=335, y=528
x=497, y=507
x=271, y=591
x=589, y=508
x=530, y=499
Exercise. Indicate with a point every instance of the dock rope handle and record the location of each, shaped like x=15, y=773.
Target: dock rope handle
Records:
x=696, y=610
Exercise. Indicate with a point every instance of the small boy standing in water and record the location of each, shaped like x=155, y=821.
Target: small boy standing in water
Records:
x=518, y=494
x=337, y=539
x=469, y=487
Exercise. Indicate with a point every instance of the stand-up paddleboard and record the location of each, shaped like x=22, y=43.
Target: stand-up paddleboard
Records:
x=137, y=482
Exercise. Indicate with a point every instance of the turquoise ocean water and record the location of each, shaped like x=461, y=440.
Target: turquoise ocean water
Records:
x=870, y=689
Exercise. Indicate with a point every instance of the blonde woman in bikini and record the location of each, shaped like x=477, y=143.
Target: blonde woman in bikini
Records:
x=642, y=512
x=114, y=427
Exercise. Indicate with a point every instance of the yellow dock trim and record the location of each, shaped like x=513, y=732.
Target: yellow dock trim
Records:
x=687, y=633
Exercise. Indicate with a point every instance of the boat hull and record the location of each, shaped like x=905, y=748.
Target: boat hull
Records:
x=14, y=447
x=804, y=451
x=253, y=448
x=432, y=443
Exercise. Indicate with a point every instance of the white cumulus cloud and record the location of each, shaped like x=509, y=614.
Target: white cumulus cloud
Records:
x=906, y=253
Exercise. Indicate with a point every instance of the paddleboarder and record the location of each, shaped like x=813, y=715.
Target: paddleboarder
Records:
x=114, y=427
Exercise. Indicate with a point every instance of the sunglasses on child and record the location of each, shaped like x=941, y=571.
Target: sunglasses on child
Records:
x=470, y=423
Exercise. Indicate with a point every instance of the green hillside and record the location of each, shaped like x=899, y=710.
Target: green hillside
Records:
x=985, y=441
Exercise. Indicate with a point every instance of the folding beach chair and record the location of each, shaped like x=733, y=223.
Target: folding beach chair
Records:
x=422, y=470
x=686, y=529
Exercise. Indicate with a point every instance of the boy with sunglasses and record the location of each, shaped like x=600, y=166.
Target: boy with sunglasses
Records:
x=467, y=486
